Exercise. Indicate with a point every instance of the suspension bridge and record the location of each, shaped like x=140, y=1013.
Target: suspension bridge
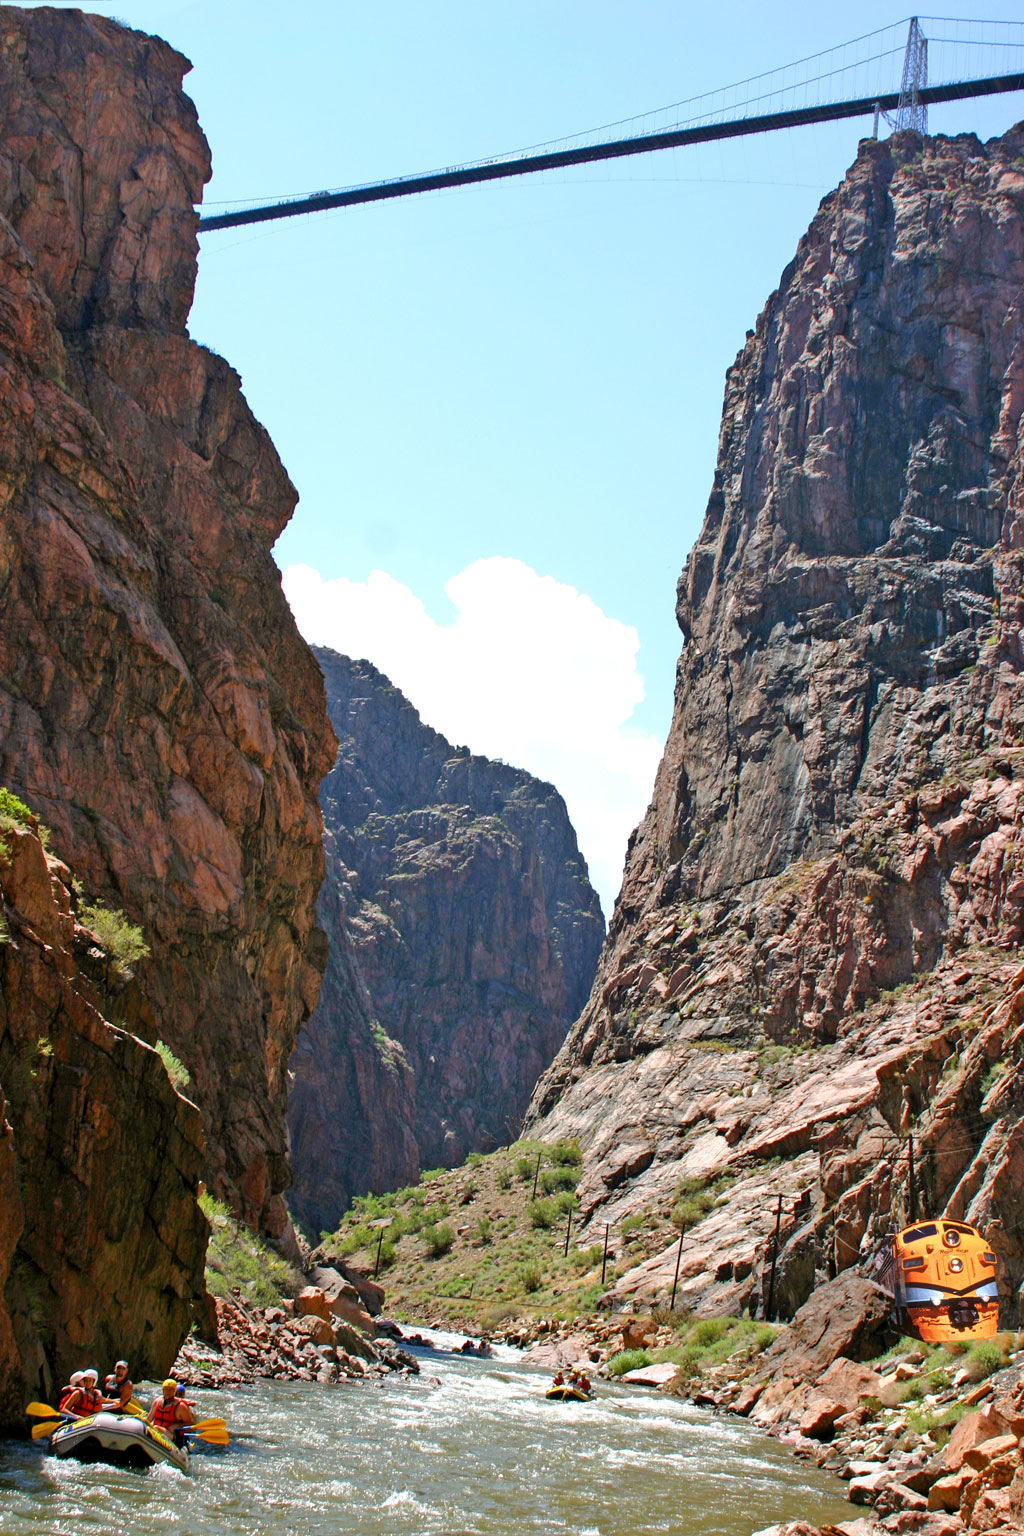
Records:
x=893, y=74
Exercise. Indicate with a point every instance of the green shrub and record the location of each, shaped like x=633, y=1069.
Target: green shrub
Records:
x=566, y=1153
x=525, y=1167
x=541, y=1213
x=439, y=1240
x=708, y=1331
x=483, y=1231
x=632, y=1224
x=982, y=1359
x=503, y=1178
x=627, y=1360
x=562, y=1178
x=176, y=1070
x=764, y=1336
x=14, y=812
x=358, y=1237
x=530, y=1278
x=236, y=1258
x=121, y=939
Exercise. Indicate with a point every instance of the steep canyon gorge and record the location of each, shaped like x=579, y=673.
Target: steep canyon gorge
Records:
x=463, y=938
x=815, y=953
x=815, y=950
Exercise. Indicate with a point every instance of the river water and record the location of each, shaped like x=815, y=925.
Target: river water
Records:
x=471, y=1446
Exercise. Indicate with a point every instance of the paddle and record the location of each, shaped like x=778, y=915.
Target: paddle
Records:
x=42, y=1430
x=211, y=1436
x=42, y=1411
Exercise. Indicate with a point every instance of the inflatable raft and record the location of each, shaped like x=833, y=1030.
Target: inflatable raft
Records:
x=563, y=1394
x=120, y=1439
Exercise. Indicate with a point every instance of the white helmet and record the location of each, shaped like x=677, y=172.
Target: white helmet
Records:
x=76, y=1378
x=93, y=1372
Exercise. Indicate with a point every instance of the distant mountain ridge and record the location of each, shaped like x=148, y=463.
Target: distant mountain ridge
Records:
x=463, y=936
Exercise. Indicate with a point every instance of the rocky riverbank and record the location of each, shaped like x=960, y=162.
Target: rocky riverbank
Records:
x=329, y=1332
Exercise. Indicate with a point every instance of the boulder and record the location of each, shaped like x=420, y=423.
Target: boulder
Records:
x=973, y=1430
x=847, y=1317
x=346, y=1307
x=312, y=1302
x=651, y=1375
x=819, y=1418
x=353, y=1342
x=866, y=1489
x=992, y=1511
x=849, y=1383
x=946, y=1492
x=896, y=1497
x=981, y=1456
x=747, y=1398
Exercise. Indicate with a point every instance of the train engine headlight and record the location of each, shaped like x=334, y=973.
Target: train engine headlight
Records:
x=951, y=1239
x=956, y=1265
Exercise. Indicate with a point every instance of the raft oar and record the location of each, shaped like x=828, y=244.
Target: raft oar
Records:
x=42, y=1411
x=211, y=1436
x=46, y=1427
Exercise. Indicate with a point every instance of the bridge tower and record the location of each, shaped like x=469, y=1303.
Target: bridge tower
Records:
x=911, y=111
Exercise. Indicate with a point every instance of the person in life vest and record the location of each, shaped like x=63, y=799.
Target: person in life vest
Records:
x=170, y=1412
x=119, y=1388
x=85, y=1398
x=70, y=1391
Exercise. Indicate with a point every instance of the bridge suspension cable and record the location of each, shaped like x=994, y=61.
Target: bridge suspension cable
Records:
x=840, y=83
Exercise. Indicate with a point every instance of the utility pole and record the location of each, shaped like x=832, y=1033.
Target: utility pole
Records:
x=568, y=1230
x=769, y=1311
x=675, y=1280
x=536, y=1176
x=912, y=1192
x=604, y=1260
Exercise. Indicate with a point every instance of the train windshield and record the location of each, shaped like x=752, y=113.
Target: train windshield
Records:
x=915, y=1234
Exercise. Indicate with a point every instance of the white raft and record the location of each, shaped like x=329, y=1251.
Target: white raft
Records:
x=120, y=1439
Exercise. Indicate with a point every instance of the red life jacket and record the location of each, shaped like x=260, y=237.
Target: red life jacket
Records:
x=91, y=1402
x=66, y=1392
x=165, y=1415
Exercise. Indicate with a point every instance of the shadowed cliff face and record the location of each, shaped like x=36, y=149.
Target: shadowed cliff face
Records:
x=838, y=809
x=157, y=706
x=463, y=933
x=102, y=1242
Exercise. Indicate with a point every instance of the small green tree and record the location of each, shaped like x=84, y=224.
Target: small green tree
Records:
x=121, y=939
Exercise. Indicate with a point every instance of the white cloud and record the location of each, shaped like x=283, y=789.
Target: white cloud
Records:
x=529, y=670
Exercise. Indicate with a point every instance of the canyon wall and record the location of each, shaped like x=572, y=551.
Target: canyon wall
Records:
x=158, y=709
x=814, y=950
x=463, y=937
x=102, y=1243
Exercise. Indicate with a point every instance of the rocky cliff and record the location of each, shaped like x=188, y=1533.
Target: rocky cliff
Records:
x=813, y=952
x=101, y=1240
x=158, y=709
x=463, y=938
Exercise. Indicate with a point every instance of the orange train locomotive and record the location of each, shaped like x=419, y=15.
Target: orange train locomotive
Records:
x=942, y=1278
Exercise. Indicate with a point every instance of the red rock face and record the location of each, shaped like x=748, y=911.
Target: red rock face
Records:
x=464, y=935
x=157, y=706
x=838, y=812
x=102, y=1242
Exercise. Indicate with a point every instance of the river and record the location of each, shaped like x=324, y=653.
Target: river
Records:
x=470, y=1446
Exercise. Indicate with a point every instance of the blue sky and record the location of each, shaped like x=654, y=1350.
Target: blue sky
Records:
x=504, y=400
